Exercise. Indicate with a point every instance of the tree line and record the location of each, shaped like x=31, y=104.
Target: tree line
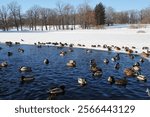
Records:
x=66, y=16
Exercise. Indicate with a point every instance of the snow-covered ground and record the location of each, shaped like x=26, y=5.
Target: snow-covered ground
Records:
x=111, y=36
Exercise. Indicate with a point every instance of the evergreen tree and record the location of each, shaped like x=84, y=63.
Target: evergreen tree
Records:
x=100, y=14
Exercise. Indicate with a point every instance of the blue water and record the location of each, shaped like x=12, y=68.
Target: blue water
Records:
x=56, y=73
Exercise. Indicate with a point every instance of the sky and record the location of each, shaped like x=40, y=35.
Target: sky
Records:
x=118, y=5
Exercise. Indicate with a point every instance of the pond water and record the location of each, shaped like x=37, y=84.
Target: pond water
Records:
x=56, y=73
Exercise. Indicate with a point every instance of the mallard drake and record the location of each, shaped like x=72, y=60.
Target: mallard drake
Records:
x=106, y=61
x=57, y=90
x=26, y=79
x=141, y=78
x=25, y=69
x=82, y=81
x=71, y=63
x=46, y=61
x=4, y=64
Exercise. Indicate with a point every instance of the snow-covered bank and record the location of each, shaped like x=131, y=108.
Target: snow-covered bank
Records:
x=118, y=37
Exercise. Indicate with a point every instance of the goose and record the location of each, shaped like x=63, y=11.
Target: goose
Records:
x=71, y=63
x=106, y=61
x=26, y=79
x=25, y=69
x=82, y=81
x=57, y=90
x=148, y=91
x=4, y=64
x=46, y=61
x=141, y=78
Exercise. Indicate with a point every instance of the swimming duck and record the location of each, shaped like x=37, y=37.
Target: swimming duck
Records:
x=57, y=90
x=148, y=91
x=82, y=81
x=106, y=61
x=25, y=69
x=20, y=50
x=141, y=78
x=70, y=50
x=46, y=61
x=121, y=82
x=129, y=72
x=112, y=80
x=9, y=53
x=113, y=59
x=141, y=60
x=136, y=68
x=62, y=53
x=71, y=63
x=4, y=64
x=117, y=66
x=98, y=72
x=26, y=79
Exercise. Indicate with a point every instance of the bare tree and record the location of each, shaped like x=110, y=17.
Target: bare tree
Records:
x=4, y=17
x=109, y=15
x=13, y=7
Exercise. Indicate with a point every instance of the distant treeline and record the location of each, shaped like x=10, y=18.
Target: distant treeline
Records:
x=66, y=16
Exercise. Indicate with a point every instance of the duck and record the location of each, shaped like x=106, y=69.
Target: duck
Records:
x=141, y=60
x=129, y=72
x=148, y=91
x=82, y=81
x=26, y=79
x=88, y=51
x=70, y=50
x=46, y=61
x=136, y=68
x=20, y=50
x=112, y=80
x=62, y=53
x=71, y=63
x=25, y=69
x=113, y=59
x=106, y=61
x=121, y=82
x=98, y=72
x=4, y=64
x=9, y=53
x=141, y=78
x=57, y=90
x=117, y=66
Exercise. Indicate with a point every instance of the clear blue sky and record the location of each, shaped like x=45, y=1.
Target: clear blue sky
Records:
x=118, y=5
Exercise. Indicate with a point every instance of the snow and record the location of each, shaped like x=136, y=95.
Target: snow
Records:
x=111, y=36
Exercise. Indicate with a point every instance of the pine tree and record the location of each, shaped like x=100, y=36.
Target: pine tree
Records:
x=100, y=14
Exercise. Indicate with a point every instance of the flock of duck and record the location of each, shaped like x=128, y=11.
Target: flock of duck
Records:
x=133, y=71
